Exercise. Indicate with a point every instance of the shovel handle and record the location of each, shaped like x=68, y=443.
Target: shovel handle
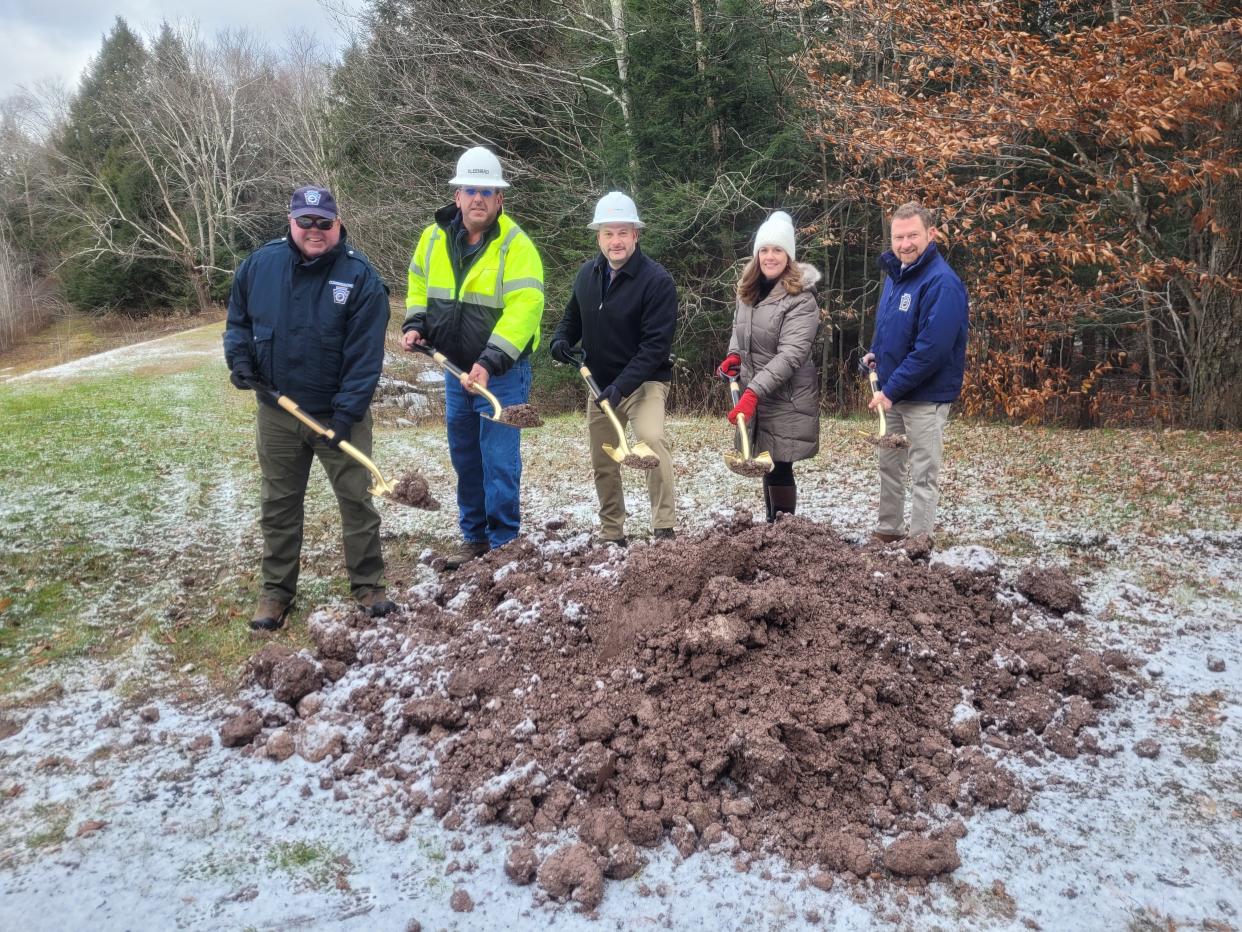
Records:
x=288, y=404
x=875, y=387
x=604, y=406
x=461, y=377
x=743, y=435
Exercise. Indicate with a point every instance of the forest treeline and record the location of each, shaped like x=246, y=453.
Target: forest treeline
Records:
x=1083, y=160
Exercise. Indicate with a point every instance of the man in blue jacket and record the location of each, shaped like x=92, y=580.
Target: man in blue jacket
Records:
x=307, y=316
x=919, y=356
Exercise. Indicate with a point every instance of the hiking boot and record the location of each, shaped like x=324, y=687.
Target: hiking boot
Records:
x=614, y=541
x=376, y=603
x=664, y=533
x=887, y=538
x=270, y=615
x=469, y=550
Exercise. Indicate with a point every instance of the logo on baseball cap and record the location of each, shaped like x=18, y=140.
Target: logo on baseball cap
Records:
x=310, y=200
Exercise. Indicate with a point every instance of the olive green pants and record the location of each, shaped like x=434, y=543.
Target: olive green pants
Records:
x=645, y=409
x=286, y=449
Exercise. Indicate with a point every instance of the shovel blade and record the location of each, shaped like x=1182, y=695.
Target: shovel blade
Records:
x=750, y=468
x=641, y=449
x=613, y=453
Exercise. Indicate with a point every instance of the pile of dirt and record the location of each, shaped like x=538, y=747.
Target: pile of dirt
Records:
x=757, y=689
x=890, y=441
x=413, y=490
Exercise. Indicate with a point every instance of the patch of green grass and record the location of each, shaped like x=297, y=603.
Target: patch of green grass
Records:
x=53, y=821
x=314, y=864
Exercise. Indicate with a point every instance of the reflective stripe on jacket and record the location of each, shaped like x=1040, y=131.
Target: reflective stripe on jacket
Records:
x=487, y=311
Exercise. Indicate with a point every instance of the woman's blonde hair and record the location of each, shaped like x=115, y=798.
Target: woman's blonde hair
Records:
x=748, y=284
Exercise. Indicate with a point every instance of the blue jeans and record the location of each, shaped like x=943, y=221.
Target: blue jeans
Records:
x=486, y=456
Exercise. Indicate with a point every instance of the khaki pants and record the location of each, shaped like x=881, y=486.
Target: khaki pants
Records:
x=645, y=410
x=286, y=449
x=923, y=423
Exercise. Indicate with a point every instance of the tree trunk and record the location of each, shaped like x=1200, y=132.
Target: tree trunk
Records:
x=1216, y=386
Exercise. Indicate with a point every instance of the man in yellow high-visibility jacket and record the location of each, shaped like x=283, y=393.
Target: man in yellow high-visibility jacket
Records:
x=476, y=295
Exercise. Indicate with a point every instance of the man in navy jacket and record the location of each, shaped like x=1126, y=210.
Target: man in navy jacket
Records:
x=919, y=356
x=624, y=311
x=307, y=316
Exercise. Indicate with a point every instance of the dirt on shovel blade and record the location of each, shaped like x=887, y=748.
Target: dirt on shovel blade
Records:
x=890, y=441
x=412, y=489
x=761, y=689
x=641, y=462
x=520, y=416
x=748, y=468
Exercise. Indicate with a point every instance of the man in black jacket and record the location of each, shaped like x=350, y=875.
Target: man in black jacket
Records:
x=624, y=311
x=307, y=316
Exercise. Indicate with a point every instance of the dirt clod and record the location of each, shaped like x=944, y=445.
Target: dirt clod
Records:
x=1050, y=587
x=521, y=863
x=572, y=873
x=241, y=729
x=1215, y=665
x=413, y=490
x=1148, y=748
x=461, y=901
x=915, y=856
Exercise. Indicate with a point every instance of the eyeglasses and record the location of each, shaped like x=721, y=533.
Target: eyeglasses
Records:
x=484, y=192
x=319, y=223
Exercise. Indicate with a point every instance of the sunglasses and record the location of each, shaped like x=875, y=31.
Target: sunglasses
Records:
x=319, y=223
x=485, y=192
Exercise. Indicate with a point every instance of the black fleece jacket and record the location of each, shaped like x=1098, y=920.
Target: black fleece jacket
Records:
x=627, y=330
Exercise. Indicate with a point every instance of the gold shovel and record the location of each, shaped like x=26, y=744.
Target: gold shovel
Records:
x=516, y=416
x=639, y=455
x=742, y=462
x=883, y=438
x=379, y=485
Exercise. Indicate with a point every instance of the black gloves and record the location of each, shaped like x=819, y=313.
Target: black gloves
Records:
x=341, y=429
x=243, y=370
x=611, y=394
x=561, y=351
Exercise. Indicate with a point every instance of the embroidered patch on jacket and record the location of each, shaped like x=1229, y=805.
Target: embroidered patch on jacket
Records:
x=340, y=291
x=905, y=302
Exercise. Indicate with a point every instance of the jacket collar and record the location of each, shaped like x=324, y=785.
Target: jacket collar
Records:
x=631, y=267
x=892, y=265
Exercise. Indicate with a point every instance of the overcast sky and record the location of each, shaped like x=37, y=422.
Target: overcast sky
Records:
x=56, y=38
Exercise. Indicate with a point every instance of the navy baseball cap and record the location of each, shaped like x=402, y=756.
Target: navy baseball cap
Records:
x=310, y=200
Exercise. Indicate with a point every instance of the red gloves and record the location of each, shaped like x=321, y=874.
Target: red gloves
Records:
x=731, y=367
x=745, y=406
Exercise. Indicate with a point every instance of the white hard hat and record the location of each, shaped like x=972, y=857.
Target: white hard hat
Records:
x=479, y=166
x=615, y=207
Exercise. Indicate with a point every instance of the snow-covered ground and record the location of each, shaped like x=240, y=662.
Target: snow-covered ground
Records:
x=114, y=818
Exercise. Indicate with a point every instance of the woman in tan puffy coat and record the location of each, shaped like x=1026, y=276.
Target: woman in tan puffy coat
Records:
x=774, y=330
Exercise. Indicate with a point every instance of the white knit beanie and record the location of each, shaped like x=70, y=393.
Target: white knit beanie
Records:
x=777, y=230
